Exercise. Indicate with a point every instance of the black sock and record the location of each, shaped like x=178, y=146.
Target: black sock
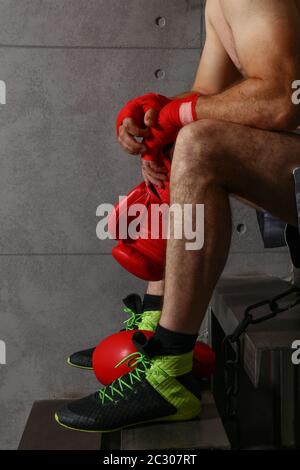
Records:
x=174, y=343
x=152, y=302
x=165, y=343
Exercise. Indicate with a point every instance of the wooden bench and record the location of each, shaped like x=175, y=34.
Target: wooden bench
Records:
x=43, y=433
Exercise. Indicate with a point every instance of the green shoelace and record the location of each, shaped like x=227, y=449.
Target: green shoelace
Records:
x=144, y=321
x=133, y=320
x=117, y=388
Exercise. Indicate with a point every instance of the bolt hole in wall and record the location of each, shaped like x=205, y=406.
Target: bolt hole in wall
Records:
x=161, y=22
x=241, y=229
x=160, y=74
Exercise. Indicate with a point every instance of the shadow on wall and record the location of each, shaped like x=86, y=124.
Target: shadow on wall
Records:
x=194, y=4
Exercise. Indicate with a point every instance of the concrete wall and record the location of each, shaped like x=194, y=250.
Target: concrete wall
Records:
x=68, y=66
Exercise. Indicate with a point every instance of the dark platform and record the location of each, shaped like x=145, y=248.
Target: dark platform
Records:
x=205, y=433
x=43, y=433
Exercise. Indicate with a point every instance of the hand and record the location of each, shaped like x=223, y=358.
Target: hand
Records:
x=154, y=172
x=171, y=119
x=135, y=119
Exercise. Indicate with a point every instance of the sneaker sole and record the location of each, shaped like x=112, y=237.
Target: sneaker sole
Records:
x=156, y=420
x=77, y=367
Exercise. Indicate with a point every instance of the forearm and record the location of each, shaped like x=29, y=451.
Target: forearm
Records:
x=182, y=95
x=251, y=102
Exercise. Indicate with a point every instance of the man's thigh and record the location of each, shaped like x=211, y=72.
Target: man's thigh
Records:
x=257, y=165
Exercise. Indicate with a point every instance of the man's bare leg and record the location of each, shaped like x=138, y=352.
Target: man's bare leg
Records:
x=211, y=160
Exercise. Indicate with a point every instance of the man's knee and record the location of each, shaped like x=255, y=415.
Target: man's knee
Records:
x=197, y=151
x=202, y=129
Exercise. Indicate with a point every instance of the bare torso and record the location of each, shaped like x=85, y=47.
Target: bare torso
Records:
x=219, y=10
x=235, y=58
x=224, y=32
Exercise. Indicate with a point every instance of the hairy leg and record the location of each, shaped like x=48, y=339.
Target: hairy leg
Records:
x=213, y=159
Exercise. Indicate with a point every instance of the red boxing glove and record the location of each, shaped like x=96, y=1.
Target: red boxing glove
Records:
x=119, y=219
x=143, y=256
x=172, y=118
x=137, y=108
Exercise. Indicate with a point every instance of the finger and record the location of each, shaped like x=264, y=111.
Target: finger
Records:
x=157, y=167
x=158, y=176
x=127, y=140
x=133, y=129
x=155, y=181
x=154, y=171
x=127, y=148
x=150, y=117
x=146, y=178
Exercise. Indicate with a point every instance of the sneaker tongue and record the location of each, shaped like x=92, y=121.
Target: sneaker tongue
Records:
x=134, y=302
x=149, y=320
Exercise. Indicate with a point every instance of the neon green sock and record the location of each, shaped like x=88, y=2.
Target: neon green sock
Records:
x=163, y=374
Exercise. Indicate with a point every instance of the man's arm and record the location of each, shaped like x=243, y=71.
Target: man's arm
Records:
x=267, y=37
x=216, y=70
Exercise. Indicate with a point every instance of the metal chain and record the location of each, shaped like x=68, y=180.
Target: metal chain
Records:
x=231, y=346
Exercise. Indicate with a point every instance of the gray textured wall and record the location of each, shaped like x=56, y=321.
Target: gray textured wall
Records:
x=68, y=66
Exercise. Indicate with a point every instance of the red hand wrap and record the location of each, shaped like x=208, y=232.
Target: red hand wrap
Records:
x=137, y=108
x=172, y=118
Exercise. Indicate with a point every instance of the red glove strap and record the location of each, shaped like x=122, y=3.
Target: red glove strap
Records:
x=181, y=112
x=187, y=111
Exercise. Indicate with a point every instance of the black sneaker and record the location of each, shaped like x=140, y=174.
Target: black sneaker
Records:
x=139, y=319
x=158, y=389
